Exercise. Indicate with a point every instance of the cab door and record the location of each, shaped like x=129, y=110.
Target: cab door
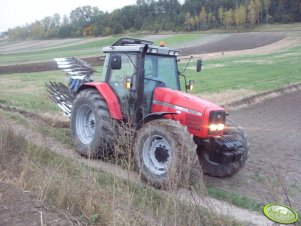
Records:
x=119, y=77
x=160, y=71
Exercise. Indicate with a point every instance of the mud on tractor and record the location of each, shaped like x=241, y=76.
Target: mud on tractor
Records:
x=172, y=128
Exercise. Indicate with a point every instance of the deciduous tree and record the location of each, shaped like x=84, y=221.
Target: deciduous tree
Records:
x=203, y=17
x=228, y=20
x=266, y=5
x=240, y=16
x=221, y=15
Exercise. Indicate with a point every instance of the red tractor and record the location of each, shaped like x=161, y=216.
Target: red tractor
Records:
x=172, y=128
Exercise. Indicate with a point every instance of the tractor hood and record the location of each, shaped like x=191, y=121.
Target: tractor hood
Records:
x=191, y=111
x=179, y=101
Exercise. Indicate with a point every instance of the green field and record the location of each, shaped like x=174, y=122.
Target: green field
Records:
x=28, y=90
x=257, y=72
x=179, y=38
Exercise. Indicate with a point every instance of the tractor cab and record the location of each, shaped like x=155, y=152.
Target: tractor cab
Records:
x=134, y=68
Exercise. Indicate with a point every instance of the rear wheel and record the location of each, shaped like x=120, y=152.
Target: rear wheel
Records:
x=223, y=170
x=164, y=153
x=91, y=128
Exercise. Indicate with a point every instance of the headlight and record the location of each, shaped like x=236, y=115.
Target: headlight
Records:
x=216, y=122
x=216, y=127
x=220, y=126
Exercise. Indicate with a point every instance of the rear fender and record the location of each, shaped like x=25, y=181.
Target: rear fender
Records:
x=107, y=93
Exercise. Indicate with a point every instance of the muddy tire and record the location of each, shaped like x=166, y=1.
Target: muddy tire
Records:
x=164, y=153
x=224, y=170
x=91, y=127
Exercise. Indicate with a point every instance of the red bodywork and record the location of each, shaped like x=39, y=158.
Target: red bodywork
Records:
x=192, y=111
x=109, y=96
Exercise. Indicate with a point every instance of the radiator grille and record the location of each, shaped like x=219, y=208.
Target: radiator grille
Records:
x=193, y=122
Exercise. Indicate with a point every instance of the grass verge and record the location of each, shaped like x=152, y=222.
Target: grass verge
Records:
x=93, y=197
x=60, y=134
x=236, y=199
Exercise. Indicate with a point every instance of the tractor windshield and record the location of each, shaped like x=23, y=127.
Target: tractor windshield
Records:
x=161, y=71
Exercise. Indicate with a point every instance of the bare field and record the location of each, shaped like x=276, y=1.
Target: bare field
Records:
x=278, y=45
x=235, y=42
x=273, y=168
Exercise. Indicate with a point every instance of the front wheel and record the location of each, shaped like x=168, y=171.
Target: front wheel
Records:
x=164, y=153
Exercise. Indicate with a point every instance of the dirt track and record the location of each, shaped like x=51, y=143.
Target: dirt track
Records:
x=273, y=127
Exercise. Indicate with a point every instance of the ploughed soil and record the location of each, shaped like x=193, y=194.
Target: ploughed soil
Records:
x=274, y=132
x=234, y=42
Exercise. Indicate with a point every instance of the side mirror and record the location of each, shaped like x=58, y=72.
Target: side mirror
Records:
x=190, y=85
x=199, y=64
x=116, y=62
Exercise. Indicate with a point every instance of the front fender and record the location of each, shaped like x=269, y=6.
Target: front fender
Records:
x=153, y=116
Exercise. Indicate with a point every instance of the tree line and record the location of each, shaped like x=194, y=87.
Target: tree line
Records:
x=162, y=15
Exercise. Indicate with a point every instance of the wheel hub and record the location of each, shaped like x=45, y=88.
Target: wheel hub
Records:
x=161, y=154
x=157, y=154
x=92, y=124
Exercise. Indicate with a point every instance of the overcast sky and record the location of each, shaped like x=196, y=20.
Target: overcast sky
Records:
x=19, y=12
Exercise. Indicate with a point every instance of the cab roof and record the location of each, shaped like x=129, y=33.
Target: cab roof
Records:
x=138, y=45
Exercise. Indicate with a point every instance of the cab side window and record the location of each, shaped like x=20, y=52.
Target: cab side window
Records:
x=128, y=68
x=117, y=77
